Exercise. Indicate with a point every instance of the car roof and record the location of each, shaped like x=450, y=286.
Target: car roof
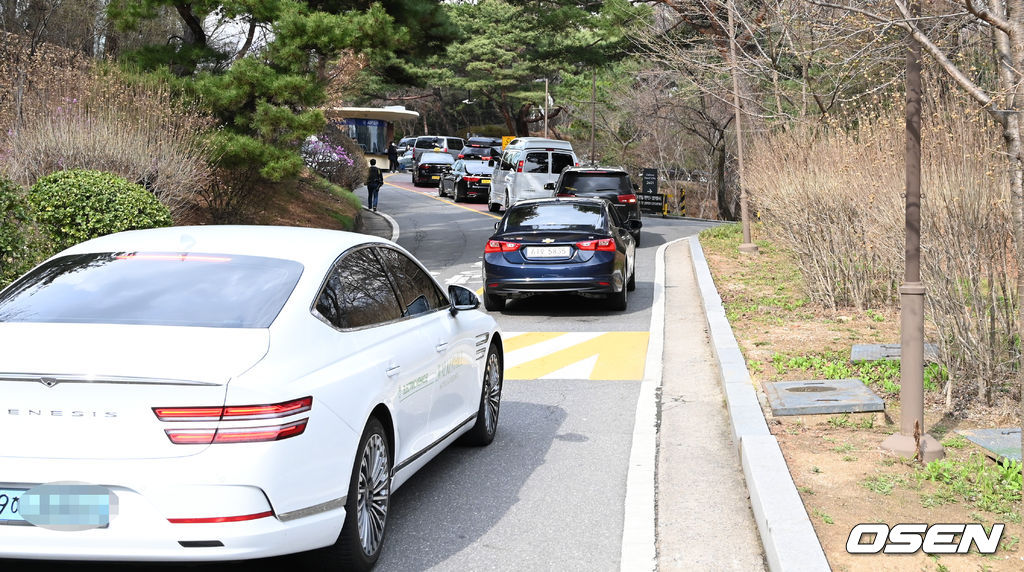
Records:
x=552, y=200
x=527, y=142
x=434, y=157
x=312, y=247
x=582, y=168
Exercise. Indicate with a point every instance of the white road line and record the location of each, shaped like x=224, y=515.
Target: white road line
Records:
x=579, y=370
x=639, y=527
x=394, y=226
x=539, y=350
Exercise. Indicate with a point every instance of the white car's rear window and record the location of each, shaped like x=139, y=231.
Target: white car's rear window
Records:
x=153, y=288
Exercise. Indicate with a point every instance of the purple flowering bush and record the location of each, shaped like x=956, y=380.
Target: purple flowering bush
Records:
x=336, y=157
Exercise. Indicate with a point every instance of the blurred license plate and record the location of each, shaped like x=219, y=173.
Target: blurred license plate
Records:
x=486, y=181
x=9, y=501
x=435, y=177
x=547, y=251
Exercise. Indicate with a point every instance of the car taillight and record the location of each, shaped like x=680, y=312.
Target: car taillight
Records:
x=564, y=195
x=461, y=156
x=471, y=179
x=627, y=199
x=215, y=519
x=519, y=169
x=501, y=246
x=236, y=434
x=603, y=245
x=234, y=412
x=485, y=158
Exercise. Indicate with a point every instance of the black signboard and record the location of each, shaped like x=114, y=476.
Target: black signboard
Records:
x=651, y=202
x=650, y=181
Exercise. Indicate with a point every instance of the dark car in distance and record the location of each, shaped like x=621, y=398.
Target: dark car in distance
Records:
x=560, y=245
x=430, y=167
x=481, y=148
x=472, y=153
x=610, y=183
x=466, y=180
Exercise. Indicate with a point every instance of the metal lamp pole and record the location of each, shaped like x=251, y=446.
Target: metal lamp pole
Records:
x=912, y=442
x=545, y=107
x=748, y=246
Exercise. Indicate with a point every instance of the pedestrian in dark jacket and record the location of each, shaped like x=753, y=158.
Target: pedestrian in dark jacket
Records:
x=374, y=181
x=392, y=158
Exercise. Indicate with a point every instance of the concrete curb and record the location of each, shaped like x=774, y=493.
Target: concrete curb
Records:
x=688, y=218
x=789, y=540
x=639, y=526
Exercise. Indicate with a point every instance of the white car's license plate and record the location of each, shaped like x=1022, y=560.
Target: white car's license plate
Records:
x=547, y=252
x=9, y=501
x=485, y=182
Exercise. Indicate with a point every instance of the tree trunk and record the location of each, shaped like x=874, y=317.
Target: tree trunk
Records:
x=10, y=16
x=725, y=204
x=522, y=126
x=1010, y=78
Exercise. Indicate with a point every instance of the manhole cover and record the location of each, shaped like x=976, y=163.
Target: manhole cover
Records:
x=821, y=396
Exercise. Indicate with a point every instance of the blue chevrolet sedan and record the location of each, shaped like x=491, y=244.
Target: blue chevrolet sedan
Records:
x=560, y=245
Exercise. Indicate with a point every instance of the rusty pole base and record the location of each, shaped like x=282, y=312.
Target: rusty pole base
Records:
x=748, y=248
x=905, y=446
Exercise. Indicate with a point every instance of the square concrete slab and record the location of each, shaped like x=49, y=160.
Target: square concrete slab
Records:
x=1004, y=442
x=875, y=352
x=821, y=396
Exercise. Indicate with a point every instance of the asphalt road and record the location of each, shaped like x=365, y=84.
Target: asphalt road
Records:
x=548, y=494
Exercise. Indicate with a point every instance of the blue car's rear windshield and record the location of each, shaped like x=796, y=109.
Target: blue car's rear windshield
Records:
x=153, y=288
x=554, y=216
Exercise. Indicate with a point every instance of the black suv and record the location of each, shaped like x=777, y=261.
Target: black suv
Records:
x=610, y=183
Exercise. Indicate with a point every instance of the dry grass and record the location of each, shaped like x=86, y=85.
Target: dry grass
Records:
x=59, y=111
x=843, y=476
x=834, y=198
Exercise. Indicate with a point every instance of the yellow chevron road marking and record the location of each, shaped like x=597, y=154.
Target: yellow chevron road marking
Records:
x=619, y=355
x=529, y=339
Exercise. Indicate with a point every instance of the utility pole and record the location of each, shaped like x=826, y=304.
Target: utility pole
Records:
x=545, y=107
x=748, y=246
x=593, y=119
x=912, y=442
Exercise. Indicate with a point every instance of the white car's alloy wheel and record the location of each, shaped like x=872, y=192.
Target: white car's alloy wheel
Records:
x=492, y=393
x=374, y=492
x=486, y=426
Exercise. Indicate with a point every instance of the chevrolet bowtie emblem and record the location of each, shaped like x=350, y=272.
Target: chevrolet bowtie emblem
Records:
x=547, y=240
x=48, y=381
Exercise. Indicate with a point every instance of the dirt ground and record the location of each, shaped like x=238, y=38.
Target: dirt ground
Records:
x=843, y=476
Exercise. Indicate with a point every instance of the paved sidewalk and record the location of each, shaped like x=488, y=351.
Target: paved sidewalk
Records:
x=704, y=517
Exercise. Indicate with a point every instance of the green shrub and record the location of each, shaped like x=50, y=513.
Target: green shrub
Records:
x=74, y=206
x=15, y=229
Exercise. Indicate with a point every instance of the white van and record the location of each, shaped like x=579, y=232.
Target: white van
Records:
x=526, y=165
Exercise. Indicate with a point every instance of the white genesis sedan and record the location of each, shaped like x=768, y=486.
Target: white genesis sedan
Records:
x=230, y=392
